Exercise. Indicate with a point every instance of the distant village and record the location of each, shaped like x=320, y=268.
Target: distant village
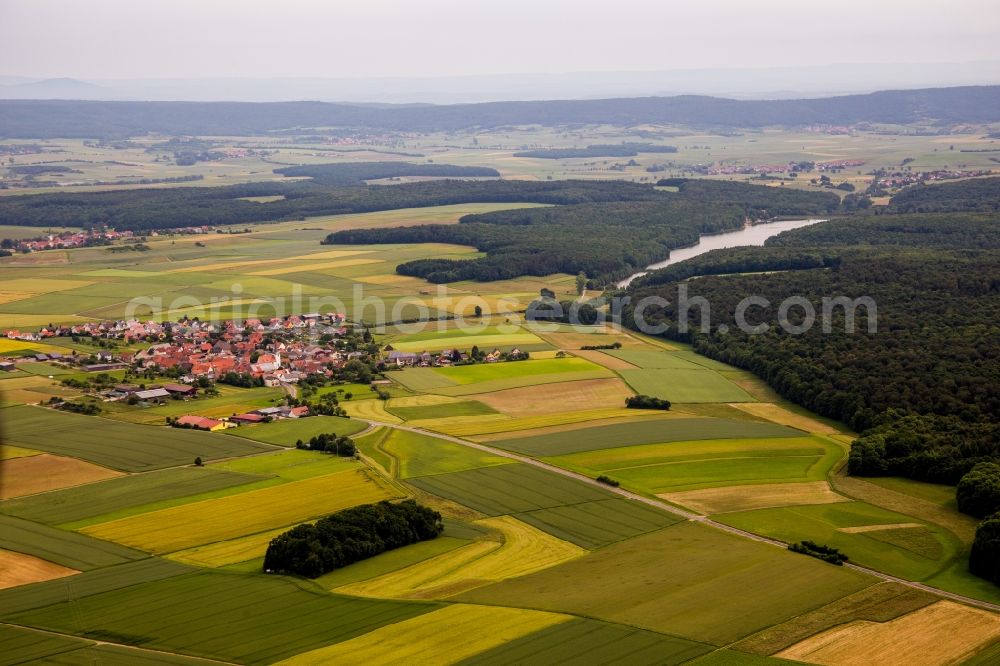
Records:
x=88, y=238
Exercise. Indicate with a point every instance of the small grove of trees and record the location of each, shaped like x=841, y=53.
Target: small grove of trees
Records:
x=825, y=553
x=978, y=492
x=646, y=402
x=608, y=481
x=329, y=442
x=351, y=535
x=86, y=408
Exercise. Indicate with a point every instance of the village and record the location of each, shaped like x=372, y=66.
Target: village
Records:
x=87, y=238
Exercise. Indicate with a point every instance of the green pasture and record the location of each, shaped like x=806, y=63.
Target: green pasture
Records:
x=485, y=372
x=122, y=446
x=913, y=550
x=653, y=359
x=96, y=499
x=422, y=455
x=687, y=580
x=633, y=433
x=206, y=614
x=506, y=489
x=285, y=432
x=69, y=549
x=595, y=524
x=463, y=408
x=684, y=385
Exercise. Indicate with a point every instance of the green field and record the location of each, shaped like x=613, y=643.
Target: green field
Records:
x=595, y=524
x=21, y=646
x=96, y=581
x=509, y=489
x=422, y=455
x=285, y=432
x=193, y=614
x=389, y=561
x=640, y=432
x=689, y=465
x=485, y=372
x=95, y=499
x=117, y=654
x=69, y=549
x=123, y=446
x=462, y=408
x=905, y=547
x=653, y=359
x=685, y=385
x=687, y=580
x=585, y=641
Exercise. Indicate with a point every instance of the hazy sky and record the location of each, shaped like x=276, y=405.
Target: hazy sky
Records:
x=361, y=38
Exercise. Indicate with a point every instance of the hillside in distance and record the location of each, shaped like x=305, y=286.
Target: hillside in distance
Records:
x=67, y=118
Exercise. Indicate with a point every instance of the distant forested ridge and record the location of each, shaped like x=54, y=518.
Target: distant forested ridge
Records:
x=606, y=241
x=941, y=230
x=194, y=206
x=599, y=150
x=356, y=173
x=61, y=118
x=972, y=195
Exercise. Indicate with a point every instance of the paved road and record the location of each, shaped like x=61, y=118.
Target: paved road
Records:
x=677, y=511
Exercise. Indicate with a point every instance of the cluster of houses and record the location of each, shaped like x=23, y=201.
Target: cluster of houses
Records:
x=449, y=357
x=69, y=240
x=897, y=179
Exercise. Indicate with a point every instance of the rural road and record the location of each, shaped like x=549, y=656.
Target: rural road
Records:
x=680, y=513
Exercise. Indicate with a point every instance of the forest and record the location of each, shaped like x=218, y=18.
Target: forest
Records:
x=356, y=173
x=90, y=119
x=974, y=195
x=626, y=237
x=951, y=230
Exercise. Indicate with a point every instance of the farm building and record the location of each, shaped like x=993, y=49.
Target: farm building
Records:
x=202, y=423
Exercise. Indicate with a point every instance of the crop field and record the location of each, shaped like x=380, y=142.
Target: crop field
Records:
x=21, y=646
x=422, y=455
x=472, y=374
x=869, y=535
x=28, y=389
x=193, y=614
x=490, y=424
x=120, y=494
x=641, y=432
x=389, y=561
x=37, y=474
x=225, y=553
x=653, y=359
x=685, y=385
x=508, y=489
x=586, y=641
x=595, y=524
x=443, y=410
x=563, y=396
x=373, y=410
x=680, y=580
x=523, y=550
x=123, y=446
x=783, y=416
x=486, y=338
x=96, y=581
x=675, y=466
x=444, y=636
x=69, y=549
x=942, y=633
x=208, y=521
x=284, y=432
x=726, y=499
x=20, y=569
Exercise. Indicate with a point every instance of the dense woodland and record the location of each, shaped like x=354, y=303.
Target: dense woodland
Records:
x=975, y=194
x=951, y=230
x=606, y=241
x=61, y=118
x=349, y=536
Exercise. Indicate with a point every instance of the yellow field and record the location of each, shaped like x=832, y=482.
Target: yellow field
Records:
x=209, y=521
x=549, y=398
x=8, y=296
x=227, y=552
x=423, y=400
x=942, y=633
x=330, y=254
x=7, y=452
x=28, y=389
x=744, y=498
x=369, y=409
x=7, y=345
x=523, y=551
x=35, y=321
x=20, y=569
x=782, y=416
x=298, y=267
x=461, y=426
x=445, y=636
x=28, y=475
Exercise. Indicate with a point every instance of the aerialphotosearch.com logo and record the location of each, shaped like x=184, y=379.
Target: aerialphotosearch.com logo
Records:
x=463, y=312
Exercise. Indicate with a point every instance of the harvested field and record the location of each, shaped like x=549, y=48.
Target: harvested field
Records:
x=37, y=474
x=741, y=498
x=208, y=521
x=782, y=416
x=524, y=550
x=20, y=569
x=560, y=397
x=444, y=636
x=942, y=633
